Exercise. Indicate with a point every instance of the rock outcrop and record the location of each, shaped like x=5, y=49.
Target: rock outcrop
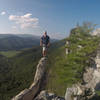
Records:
x=92, y=75
x=44, y=95
x=31, y=92
x=96, y=32
x=67, y=50
x=91, y=79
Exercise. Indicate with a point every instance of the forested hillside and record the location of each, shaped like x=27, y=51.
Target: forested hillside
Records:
x=17, y=73
x=17, y=42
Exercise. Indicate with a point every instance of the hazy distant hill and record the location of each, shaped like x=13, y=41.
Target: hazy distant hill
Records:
x=16, y=42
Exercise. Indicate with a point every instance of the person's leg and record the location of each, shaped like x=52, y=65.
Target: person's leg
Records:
x=44, y=51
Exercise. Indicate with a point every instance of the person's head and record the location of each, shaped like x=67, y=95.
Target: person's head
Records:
x=45, y=33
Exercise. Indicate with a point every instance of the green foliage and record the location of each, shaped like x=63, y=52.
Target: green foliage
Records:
x=17, y=72
x=98, y=93
x=9, y=53
x=67, y=70
x=17, y=69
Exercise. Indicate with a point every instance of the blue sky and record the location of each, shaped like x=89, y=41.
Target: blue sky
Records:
x=55, y=16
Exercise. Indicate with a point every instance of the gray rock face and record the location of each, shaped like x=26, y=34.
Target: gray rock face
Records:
x=72, y=92
x=67, y=50
x=44, y=95
x=91, y=78
x=30, y=93
x=78, y=92
x=96, y=32
x=92, y=75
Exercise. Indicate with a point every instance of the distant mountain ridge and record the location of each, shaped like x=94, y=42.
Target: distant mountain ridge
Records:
x=18, y=41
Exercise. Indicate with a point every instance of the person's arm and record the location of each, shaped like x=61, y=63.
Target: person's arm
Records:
x=40, y=42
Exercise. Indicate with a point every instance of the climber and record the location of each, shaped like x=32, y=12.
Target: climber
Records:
x=45, y=43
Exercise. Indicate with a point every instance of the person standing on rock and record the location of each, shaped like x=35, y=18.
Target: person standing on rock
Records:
x=45, y=43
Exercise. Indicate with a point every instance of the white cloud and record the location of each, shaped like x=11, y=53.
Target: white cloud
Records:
x=3, y=13
x=25, y=21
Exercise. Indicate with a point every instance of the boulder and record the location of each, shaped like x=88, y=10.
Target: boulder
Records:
x=44, y=95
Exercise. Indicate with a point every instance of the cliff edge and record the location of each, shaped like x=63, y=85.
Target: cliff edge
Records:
x=31, y=92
